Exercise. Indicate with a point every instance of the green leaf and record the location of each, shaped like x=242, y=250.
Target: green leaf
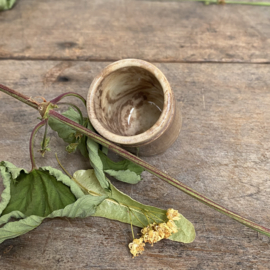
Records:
x=6, y=4
x=124, y=170
x=82, y=142
x=32, y=197
x=8, y=172
x=68, y=134
x=96, y=162
x=186, y=233
x=83, y=207
x=125, y=164
x=88, y=182
x=125, y=176
x=17, y=228
x=119, y=206
x=104, y=149
x=39, y=192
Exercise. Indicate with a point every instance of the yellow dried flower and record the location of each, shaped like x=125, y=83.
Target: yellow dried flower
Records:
x=160, y=230
x=172, y=226
x=163, y=230
x=155, y=232
x=151, y=237
x=145, y=230
x=172, y=214
x=136, y=247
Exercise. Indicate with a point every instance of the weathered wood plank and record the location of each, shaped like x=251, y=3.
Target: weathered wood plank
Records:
x=222, y=152
x=152, y=30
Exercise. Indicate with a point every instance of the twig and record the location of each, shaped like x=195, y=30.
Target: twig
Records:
x=97, y=138
x=222, y=2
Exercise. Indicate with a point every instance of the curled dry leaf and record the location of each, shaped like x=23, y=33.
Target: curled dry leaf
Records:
x=31, y=197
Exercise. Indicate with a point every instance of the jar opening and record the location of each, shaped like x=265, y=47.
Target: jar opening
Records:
x=129, y=101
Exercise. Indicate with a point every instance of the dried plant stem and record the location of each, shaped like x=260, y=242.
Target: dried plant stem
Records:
x=75, y=107
x=69, y=94
x=159, y=173
x=44, y=136
x=32, y=139
x=222, y=2
x=19, y=96
x=138, y=161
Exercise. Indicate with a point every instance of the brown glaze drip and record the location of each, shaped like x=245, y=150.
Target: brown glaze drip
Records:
x=129, y=101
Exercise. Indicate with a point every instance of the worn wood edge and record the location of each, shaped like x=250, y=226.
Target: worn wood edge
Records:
x=171, y=31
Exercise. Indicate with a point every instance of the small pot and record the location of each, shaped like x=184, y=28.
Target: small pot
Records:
x=131, y=103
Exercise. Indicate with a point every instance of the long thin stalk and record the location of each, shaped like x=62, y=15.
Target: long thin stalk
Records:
x=44, y=136
x=159, y=173
x=68, y=94
x=75, y=107
x=221, y=2
x=19, y=96
x=134, y=159
x=31, y=143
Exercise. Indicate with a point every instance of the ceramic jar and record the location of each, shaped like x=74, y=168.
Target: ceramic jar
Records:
x=131, y=104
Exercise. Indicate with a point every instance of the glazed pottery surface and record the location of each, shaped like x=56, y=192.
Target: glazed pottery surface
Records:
x=131, y=103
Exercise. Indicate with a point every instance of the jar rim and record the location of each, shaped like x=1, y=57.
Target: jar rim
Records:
x=152, y=133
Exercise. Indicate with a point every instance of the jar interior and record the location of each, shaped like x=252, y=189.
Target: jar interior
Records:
x=129, y=101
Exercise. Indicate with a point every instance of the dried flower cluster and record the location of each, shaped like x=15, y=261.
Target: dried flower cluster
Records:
x=155, y=232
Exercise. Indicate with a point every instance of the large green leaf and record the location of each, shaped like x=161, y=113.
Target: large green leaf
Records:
x=32, y=197
x=126, y=176
x=17, y=228
x=38, y=193
x=119, y=206
x=96, y=162
x=125, y=164
x=86, y=146
x=124, y=170
x=68, y=134
x=83, y=207
x=64, y=131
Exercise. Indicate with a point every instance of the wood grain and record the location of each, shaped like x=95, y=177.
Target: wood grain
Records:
x=161, y=31
x=222, y=152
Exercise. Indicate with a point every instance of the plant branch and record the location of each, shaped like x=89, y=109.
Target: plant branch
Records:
x=19, y=96
x=222, y=2
x=153, y=170
x=132, y=158
x=43, y=146
x=31, y=143
x=57, y=99
x=75, y=107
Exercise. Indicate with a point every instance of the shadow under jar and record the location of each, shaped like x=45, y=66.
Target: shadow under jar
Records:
x=130, y=103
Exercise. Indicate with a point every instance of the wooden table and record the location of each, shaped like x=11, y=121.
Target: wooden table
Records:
x=216, y=59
